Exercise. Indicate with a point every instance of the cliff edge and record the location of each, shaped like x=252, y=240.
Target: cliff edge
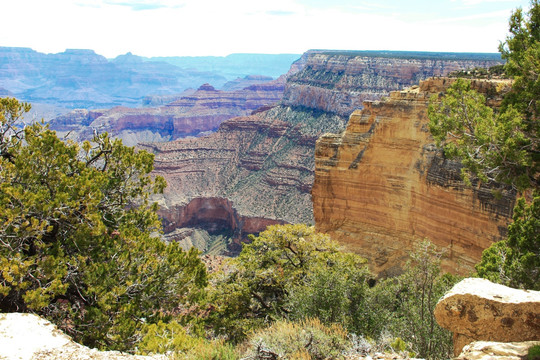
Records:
x=382, y=185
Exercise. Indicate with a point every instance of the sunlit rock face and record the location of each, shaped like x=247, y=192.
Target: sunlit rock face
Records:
x=479, y=310
x=382, y=186
x=339, y=82
x=264, y=163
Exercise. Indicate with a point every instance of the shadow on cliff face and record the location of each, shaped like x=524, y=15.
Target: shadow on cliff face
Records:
x=212, y=225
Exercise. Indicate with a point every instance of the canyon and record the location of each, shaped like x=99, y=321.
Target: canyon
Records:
x=382, y=186
x=78, y=78
x=192, y=114
x=264, y=164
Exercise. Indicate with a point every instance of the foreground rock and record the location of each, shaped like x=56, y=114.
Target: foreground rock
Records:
x=487, y=350
x=382, y=186
x=29, y=337
x=477, y=309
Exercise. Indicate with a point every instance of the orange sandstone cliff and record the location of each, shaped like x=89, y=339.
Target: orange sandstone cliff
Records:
x=382, y=186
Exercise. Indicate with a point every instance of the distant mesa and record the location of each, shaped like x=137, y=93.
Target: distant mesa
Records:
x=242, y=83
x=80, y=78
x=206, y=87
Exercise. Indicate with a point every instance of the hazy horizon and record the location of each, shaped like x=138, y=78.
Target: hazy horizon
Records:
x=164, y=28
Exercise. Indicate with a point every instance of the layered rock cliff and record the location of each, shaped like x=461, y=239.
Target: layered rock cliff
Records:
x=382, y=185
x=339, y=82
x=264, y=163
x=190, y=115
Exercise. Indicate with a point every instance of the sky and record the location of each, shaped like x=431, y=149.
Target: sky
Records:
x=221, y=27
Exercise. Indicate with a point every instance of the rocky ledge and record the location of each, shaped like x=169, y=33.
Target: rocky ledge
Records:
x=477, y=309
x=382, y=186
x=29, y=337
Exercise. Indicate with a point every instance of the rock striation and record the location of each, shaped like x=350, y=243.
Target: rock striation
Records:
x=193, y=114
x=264, y=163
x=477, y=309
x=339, y=82
x=381, y=186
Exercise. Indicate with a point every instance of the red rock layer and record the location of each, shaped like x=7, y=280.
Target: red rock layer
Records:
x=382, y=186
x=214, y=215
x=260, y=164
x=193, y=114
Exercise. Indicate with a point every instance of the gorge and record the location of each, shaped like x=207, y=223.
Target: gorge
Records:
x=264, y=164
x=192, y=114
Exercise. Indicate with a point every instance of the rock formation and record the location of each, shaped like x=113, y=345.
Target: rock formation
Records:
x=84, y=79
x=477, y=309
x=242, y=83
x=215, y=216
x=489, y=350
x=339, y=82
x=190, y=115
x=382, y=186
x=263, y=167
x=264, y=163
x=29, y=337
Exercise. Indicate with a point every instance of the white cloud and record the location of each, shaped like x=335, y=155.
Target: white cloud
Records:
x=217, y=27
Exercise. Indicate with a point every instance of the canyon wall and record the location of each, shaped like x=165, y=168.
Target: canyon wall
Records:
x=189, y=115
x=382, y=186
x=339, y=82
x=264, y=163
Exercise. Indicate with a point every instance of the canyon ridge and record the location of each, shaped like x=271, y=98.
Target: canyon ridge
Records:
x=260, y=169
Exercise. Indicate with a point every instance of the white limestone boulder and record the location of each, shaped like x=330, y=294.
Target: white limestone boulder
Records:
x=477, y=309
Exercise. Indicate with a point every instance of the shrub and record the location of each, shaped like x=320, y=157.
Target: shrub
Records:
x=78, y=235
x=515, y=261
x=403, y=306
x=287, y=272
x=307, y=339
x=534, y=353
